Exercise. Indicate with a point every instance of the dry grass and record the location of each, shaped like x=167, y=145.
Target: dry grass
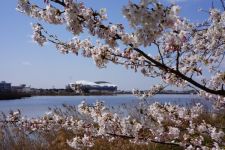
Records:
x=11, y=138
x=18, y=140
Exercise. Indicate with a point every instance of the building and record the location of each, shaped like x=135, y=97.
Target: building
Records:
x=21, y=88
x=99, y=87
x=5, y=87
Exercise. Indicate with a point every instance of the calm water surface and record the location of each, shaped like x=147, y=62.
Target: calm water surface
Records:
x=37, y=106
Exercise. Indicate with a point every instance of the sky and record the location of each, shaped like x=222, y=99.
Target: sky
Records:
x=24, y=62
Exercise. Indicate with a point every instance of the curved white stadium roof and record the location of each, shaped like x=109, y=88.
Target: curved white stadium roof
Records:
x=83, y=82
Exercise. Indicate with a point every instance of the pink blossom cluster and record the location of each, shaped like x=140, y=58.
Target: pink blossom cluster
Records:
x=154, y=90
x=182, y=46
x=49, y=14
x=161, y=123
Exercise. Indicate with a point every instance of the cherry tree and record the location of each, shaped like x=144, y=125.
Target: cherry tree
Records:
x=188, y=54
x=160, y=44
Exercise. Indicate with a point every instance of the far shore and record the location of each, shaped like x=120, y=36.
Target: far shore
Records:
x=16, y=95
x=13, y=95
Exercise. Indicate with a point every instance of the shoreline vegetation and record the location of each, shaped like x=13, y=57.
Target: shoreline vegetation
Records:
x=60, y=92
x=13, y=95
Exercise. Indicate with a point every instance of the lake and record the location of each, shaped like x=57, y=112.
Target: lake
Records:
x=38, y=105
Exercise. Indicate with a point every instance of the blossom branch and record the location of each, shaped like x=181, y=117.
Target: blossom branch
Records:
x=140, y=138
x=179, y=74
x=177, y=60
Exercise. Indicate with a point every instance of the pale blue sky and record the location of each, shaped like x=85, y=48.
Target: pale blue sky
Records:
x=22, y=61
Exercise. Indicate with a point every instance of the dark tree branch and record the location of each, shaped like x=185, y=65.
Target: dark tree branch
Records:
x=179, y=74
x=59, y=2
x=177, y=60
x=141, y=138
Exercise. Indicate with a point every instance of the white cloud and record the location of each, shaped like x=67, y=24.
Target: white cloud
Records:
x=26, y=63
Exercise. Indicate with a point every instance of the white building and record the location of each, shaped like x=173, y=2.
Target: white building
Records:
x=93, y=87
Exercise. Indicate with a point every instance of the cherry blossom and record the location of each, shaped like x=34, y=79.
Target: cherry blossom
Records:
x=187, y=55
x=160, y=123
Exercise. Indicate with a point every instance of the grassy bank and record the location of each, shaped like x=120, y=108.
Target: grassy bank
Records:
x=17, y=136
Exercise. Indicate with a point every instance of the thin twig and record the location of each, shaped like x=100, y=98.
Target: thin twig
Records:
x=223, y=4
x=177, y=60
x=159, y=52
